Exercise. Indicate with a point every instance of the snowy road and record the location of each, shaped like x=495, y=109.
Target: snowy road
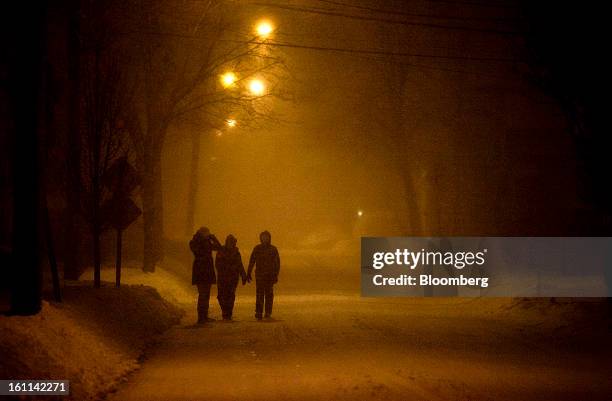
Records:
x=334, y=347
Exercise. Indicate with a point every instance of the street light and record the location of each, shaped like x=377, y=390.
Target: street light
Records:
x=257, y=87
x=264, y=28
x=230, y=122
x=360, y=213
x=228, y=79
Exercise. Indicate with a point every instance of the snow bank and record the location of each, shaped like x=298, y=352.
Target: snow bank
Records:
x=94, y=338
x=170, y=285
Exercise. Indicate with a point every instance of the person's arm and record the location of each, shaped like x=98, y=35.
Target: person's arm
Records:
x=219, y=261
x=243, y=274
x=193, y=245
x=276, y=264
x=216, y=245
x=252, y=260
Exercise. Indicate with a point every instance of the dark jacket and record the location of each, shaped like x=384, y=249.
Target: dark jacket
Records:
x=229, y=267
x=203, y=271
x=267, y=260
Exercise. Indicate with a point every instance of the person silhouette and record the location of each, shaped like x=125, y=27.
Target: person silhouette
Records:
x=202, y=245
x=267, y=262
x=229, y=268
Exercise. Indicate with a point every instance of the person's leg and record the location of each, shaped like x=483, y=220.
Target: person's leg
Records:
x=231, y=298
x=222, y=297
x=203, y=299
x=269, y=296
x=259, y=299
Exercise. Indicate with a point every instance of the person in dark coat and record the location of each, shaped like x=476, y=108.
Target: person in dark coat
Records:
x=229, y=269
x=202, y=245
x=267, y=261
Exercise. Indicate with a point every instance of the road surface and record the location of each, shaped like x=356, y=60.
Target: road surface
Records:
x=343, y=347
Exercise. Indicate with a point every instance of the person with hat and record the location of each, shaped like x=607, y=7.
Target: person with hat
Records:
x=229, y=269
x=202, y=245
x=266, y=261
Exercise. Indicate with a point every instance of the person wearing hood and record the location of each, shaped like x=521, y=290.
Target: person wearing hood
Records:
x=267, y=262
x=229, y=270
x=202, y=245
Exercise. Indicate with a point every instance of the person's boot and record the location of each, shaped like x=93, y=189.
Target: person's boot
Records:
x=203, y=318
x=258, y=316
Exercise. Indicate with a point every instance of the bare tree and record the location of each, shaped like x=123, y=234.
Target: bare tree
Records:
x=183, y=50
x=390, y=114
x=24, y=80
x=103, y=139
x=72, y=261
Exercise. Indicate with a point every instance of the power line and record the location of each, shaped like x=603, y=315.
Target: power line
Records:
x=476, y=3
x=384, y=52
x=407, y=14
x=432, y=67
x=385, y=20
x=453, y=70
x=352, y=41
x=337, y=49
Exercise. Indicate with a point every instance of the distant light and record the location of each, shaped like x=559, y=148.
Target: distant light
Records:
x=264, y=29
x=219, y=133
x=228, y=79
x=359, y=213
x=257, y=87
x=230, y=122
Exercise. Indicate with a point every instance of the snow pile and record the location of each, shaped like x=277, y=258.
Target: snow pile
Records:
x=94, y=338
x=168, y=283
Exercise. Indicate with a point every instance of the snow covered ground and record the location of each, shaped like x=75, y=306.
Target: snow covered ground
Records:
x=94, y=338
x=324, y=343
x=334, y=345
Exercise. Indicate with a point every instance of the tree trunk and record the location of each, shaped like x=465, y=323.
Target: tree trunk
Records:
x=118, y=259
x=194, y=173
x=96, y=174
x=152, y=209
x=25, y=65
x=96, y=231
x=72, y=245
x=57, y=295
x=96, y=256
x=72, y=262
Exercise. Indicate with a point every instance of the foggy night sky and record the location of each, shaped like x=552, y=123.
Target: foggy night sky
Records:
x=481, y=135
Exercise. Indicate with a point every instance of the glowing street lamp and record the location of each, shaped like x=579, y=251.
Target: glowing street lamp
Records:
x=263, y=29
x=228, y=79
x=230, y=122
x=257, y=87
x=360, y=213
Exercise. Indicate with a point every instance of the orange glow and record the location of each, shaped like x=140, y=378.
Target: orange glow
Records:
x=257, y=87
x=228, y=79
x=264, y=28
